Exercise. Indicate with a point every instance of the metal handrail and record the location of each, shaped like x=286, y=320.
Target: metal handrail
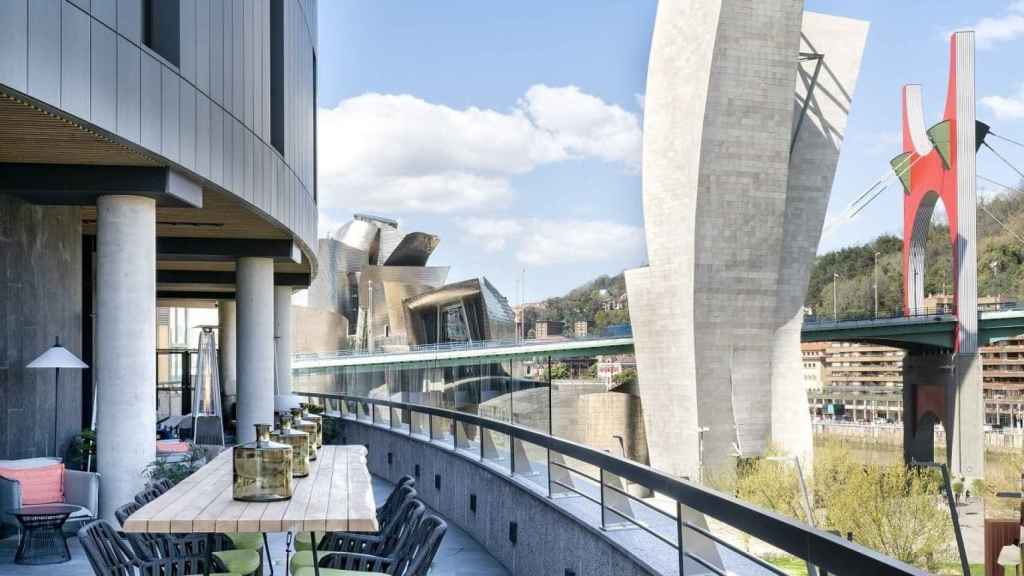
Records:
x=937, y=312
x=452, y=347
x=827, y=551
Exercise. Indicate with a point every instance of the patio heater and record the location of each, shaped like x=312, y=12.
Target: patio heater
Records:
x=207, y=425
x=57, y=357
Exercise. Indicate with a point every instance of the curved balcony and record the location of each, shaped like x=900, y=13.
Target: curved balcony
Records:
x=544, y=505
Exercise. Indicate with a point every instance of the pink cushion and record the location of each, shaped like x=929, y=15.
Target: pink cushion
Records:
x=40, y=485
x=172, y=446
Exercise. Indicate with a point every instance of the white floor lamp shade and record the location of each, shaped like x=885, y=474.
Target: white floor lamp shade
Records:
x=57, y=357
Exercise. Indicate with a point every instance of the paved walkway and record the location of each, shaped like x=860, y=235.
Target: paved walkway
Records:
x=459, y=554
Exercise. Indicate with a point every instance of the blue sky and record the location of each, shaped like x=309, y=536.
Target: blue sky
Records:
x=512, y=129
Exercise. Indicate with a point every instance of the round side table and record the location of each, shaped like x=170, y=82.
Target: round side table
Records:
x=42, y=536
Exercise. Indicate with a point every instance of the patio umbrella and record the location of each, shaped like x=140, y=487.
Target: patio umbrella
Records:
x=57, y=357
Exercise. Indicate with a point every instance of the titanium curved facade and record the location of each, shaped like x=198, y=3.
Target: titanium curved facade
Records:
x=737, y=170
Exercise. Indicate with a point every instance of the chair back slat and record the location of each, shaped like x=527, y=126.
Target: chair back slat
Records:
x=417, y=552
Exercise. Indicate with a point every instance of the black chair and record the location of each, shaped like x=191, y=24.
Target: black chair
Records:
x=384, y=543
x=162, y=485
x=395, y=499
x=109, y=555
x=147, y=495
x=413, y=557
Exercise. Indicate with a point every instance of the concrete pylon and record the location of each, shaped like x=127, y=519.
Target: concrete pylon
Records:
x=227, y=340
x=283, y=337
x=255, y=359
x=125, y=346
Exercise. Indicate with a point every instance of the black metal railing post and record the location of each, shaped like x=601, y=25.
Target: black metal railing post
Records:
x=681, y=542
x=604, y=520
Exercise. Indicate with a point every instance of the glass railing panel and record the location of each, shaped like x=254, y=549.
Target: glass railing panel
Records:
x=495, y=448
x=467, y=437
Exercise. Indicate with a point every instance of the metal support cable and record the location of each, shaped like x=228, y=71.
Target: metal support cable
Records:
x=1005, y=161
x=857, y=206
x=1010, y=140
x=993, y=216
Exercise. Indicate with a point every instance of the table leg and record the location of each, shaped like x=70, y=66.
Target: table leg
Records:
x=266, y=547
x=316, y=561
x=209, y=554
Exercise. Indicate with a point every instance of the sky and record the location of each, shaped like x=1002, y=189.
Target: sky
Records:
x=513, y=130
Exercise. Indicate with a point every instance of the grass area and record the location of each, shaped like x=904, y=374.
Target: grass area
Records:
x=797, y=567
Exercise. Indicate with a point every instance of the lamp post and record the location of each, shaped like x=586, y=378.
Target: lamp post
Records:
x=877, y=254
x=57, y=357
x=835, y=296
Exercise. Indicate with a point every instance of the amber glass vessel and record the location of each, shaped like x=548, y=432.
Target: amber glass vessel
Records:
x=299, y=441
x=262, y=469
x=318, y=420
x=305, y=426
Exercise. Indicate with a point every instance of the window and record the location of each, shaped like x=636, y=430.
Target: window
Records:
x=161, y=28
x=277, y=75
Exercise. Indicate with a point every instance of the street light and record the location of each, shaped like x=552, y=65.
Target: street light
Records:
x=877, y=254
x=835, y=296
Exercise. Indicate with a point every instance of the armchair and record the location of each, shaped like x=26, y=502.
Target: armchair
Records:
x=81, y=489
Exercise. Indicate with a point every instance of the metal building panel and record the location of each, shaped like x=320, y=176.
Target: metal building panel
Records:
x=44, y=50
x=105, y=11
x=129, y=78
x=188, y=39
x=217, y=51
x=151, y=112
x=247, y=62
x=129, y=19
x=203, y=46
x=238, y=61
x=103, y=81
x=169, y=136
x=247, y=167
x=238, y=184
x=83, y=4
x=216, y=145
x=14, y=43
x=203, y=135
x=74, y=70
x=187, y=135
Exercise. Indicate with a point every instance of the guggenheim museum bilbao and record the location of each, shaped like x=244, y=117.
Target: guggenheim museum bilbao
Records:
x=157, y=152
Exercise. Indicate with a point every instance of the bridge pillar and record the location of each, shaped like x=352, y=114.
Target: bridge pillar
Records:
x=944, y=388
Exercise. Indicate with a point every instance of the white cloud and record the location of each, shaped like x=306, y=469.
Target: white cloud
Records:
x=491, y=233
x=990, y=31
x=399, y=153
x=1006, y=107
x=546, y=242
x=550, y=242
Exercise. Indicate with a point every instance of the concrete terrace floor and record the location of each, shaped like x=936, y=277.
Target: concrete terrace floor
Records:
x=459, y=554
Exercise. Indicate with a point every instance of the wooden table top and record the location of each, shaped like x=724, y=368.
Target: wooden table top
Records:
x=336, y=496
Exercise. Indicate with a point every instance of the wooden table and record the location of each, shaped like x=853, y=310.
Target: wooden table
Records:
x=336, y=496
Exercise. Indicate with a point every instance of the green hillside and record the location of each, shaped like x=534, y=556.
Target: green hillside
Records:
x=586, y=302
x=1000, y=263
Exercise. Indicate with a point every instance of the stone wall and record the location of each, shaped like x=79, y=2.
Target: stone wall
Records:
x=40, y=300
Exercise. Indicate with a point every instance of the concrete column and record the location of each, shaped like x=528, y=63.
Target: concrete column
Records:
x=125, y=345
x=227, y=344
x=283, y=337
x=255, y=358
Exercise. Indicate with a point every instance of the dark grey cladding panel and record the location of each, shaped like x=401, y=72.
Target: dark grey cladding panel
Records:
x=103, y=98
x=75, y=33
x=80, y=184
x=188, y=39
x=217, y=51
x=105, y=11
x=83, y=4
x=44, y=50
x=187, y=135
x=129, y=19
x=413, y=250
x=203, y=46
x=14, y=44
x=129, y=90
x=216, y=144
x=238, y=59
x=152, y=96
x=203, y=135
x=169, y=83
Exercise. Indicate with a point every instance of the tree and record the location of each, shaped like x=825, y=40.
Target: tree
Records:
x=626, y=378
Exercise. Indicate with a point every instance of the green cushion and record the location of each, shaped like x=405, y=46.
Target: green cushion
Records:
x=216, y=574
x=302, y=541
x=308, y=571
x=240, y=561
x=301, y=559
x=246, y=541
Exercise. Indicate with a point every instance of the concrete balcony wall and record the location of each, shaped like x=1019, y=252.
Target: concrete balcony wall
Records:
x=550, y=541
